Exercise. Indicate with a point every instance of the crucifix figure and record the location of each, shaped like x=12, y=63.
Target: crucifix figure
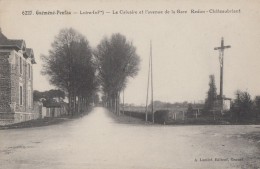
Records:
x=221, y=61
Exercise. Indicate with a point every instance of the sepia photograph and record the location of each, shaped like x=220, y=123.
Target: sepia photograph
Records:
x=142, y=84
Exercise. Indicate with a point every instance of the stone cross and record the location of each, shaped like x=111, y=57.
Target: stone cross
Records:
x=221, y=61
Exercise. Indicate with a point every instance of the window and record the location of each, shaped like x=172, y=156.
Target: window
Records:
x=21, y=66
x=29, y=98
x=21, y=95
x=29, y=71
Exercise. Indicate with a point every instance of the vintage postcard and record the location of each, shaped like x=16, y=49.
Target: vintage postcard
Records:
x=136, y=84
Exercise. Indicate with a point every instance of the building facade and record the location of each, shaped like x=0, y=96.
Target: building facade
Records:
x=16, y=81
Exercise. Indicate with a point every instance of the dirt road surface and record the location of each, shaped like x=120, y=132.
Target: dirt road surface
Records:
x=100, y=141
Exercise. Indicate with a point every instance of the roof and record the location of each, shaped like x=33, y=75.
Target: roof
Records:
x=4, y=53
x=198, y=106
x=16, y=44
x=29, y=53
x=53, y=104
x=3, y=38
x=11, y=43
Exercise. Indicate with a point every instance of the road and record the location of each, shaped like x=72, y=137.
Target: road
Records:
x=97, y=141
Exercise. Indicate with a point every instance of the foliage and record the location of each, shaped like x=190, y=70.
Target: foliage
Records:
x=243, y=105
x=96, y=99
x=48, y=96
x=69, y=66
x=117, y=61
x=161, y=116
x=257, y=105
x=51, y=94
x=37, y=95
x=211, y=94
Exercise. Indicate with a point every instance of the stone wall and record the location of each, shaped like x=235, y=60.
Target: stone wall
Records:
x=5, y=83
x=15, y=83
x=10, y=80
x=23, y=79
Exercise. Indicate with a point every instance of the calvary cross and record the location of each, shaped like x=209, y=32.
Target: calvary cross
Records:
x=221, y=61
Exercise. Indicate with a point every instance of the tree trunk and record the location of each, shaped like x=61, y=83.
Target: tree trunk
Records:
x=114, y=108
x=70, y=104
x=73, y=104
x=79, y=104
x=118, y=103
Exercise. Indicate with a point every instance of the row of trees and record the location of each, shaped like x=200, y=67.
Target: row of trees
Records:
x=117, y=61
x=78, y=70
x=69, y=66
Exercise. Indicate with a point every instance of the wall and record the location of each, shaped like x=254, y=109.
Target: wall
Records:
x=10, y=81
x=5, y=83
x=226, y=105
x=55, y=111
x=44, y=112
x=21, y=79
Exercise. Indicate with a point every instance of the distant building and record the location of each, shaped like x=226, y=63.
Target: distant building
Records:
x=197, y=109
x=16, y=81
x=54, y=109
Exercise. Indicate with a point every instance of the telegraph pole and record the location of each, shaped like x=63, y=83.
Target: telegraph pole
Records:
x=152, y=79
x=150, y=73
x=146, y=109
x=221, y=61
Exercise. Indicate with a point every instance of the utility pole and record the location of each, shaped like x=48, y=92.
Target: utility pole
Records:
x=152, y=80
x=221, y=61
x=150, y=73
x=148, y=84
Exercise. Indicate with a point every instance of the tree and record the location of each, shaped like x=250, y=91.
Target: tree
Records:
x=37, y=95
x=211, y=94
x=56, y=94
x=257, y=105
x=243, y=105
x=117, y=61
x=69, y=66
x=48, y=97
x=96, y=99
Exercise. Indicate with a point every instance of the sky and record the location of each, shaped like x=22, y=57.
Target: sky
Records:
x=183, y=44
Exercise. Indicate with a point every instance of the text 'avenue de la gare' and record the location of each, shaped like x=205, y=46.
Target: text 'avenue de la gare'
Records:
x=178, y=11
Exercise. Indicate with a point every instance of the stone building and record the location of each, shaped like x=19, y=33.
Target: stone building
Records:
x=16, y=81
